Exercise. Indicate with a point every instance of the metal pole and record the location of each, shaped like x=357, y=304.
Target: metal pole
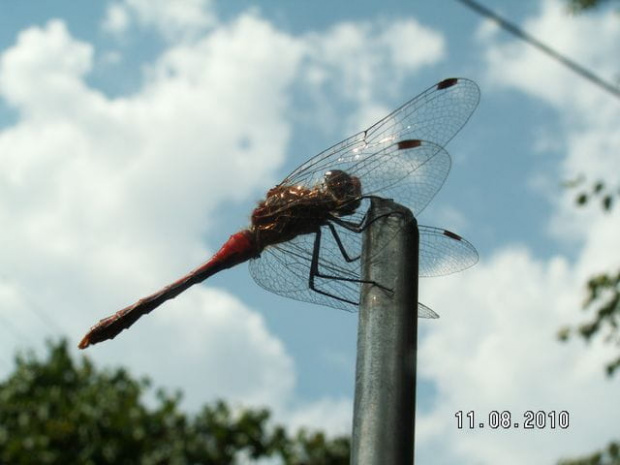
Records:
x=385, y=380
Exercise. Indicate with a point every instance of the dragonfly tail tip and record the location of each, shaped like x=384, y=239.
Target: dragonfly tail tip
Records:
x=84, y=343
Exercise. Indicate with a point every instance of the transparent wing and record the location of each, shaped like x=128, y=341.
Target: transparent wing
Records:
x=435, y=116
x=443, y=252
x=426, y=312
x=284, y=269
x=399, y=157
x=410, y=172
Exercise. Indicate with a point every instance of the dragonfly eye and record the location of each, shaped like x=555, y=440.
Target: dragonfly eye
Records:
x=344, y=189
x=341, y=185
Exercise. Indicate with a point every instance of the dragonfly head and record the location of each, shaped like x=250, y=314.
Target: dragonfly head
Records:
x=345, y=189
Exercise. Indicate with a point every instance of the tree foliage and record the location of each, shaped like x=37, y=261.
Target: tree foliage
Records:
x=609, y=456
x=603, y=289
x=57, y=411
x=603, y=298
x=580, y=5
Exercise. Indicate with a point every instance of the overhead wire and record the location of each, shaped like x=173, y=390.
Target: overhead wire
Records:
x=516, y=31
x=35, y=308
x=11, y=328
x=8, y=325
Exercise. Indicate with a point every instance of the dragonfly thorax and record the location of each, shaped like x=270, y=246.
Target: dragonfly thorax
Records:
x=344, y=189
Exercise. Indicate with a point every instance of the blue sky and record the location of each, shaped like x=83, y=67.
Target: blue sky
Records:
x=136, y=136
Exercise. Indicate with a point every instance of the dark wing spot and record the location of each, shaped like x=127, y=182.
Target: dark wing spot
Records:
x=447, y=83
x=452, y=235
x=409, y=144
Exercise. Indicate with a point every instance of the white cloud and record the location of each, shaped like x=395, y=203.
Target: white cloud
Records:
x=588, y=115
x=94, y=188
x=44, y=69
x=494, y=349
x=221, y=349
x=412, y=45
x=175, y=19
x=517, y=64
x=363, y=57
x=117, y=19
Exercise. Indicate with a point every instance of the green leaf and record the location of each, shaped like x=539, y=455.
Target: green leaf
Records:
x=582, y=199
x=63, y=412
x=564, y=334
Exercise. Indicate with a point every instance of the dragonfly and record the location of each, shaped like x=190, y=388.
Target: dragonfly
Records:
x=304, y=238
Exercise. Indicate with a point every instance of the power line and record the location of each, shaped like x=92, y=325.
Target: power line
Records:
x=513, y=29
x=9, y=327
x=36, y=309
x=28, y=302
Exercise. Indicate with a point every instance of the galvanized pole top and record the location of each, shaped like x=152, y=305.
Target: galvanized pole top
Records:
x=384, y=411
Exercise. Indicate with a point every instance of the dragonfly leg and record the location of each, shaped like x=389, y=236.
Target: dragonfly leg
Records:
x=343, y=251
x=364, y=223
x=314, y=273
x=350, y=225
